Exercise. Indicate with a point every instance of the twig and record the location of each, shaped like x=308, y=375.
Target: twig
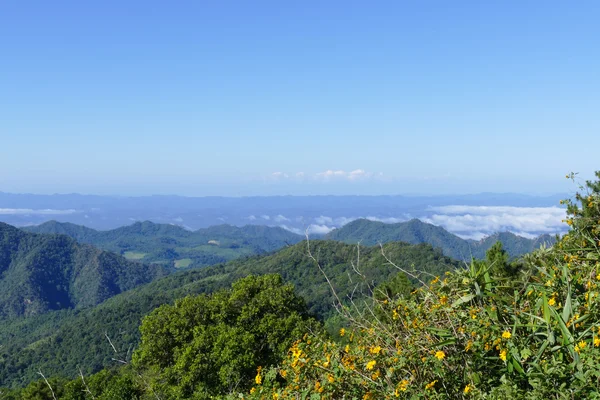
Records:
x=47, y=383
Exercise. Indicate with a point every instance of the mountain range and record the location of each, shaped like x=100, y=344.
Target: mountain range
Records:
x=40, y=273
x=174, y=246
x=370, y=233
x=61, y=342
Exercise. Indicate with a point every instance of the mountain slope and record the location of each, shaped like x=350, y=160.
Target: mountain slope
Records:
x=174, y=246
x=415, y=231
x=58, y=343
x=39, y=273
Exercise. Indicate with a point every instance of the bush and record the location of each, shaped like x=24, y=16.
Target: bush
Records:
x=525, y=331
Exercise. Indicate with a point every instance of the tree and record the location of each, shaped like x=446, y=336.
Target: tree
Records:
x=213, y=344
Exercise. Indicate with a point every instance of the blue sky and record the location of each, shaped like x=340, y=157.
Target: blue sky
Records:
x=266, y=97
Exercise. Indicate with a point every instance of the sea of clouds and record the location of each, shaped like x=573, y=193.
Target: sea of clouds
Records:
x=469, y=222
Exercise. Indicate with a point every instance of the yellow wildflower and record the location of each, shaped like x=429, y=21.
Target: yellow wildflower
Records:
x=552, y=301
x=330, y=378
x=503, y=355
x=506, y=335
x=440, y=355
x=342, y=332
x=596, y=342
x=375, y=350
x=403, y=385
x=371, y=364
x=258, y=379
x=283, y=373
x=467, y=389
x=252, y=390
x=443, y=300
x=375, y=375
x=430, y=385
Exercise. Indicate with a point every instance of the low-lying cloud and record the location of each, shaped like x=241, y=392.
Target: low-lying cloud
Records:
x=475, y=222
x=29, y=211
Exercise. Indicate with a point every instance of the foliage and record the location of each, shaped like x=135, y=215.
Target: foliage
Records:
x=414, y=231
x=61, y=342
x=485, y=332
x=39, y=273
x=211, y=344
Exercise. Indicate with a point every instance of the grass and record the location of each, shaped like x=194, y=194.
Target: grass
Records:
x=183, y=263
x=134, y=255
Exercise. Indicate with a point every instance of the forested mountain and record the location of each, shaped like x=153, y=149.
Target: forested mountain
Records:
x=40, y=273
x=174, y=246
x=58, y=343
x=415, y=231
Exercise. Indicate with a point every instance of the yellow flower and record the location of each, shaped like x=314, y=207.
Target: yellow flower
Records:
x=330, y=378
x=552, y=301
x=580, y=346
x=283, y=373
x=596, y=342
x=252, y=390
x=403, y=385
x=375, y=350
x=318, y=387
x=430, y=385
x=375, y=375
x=258, y=379
x=467, y=389
x=347, y=348
x=342, y=332
x=275, y=396
x=503, y=355
x=443, y=300
x=371, y=364
x=440, y=355
x=506, y=335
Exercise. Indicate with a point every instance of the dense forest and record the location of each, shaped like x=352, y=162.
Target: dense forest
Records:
x=40, y=273
x=174, y=246
x=415, y=231
x=61, y=342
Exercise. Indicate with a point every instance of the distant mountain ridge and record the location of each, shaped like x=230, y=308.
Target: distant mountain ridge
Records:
x=40, y=273
x=415, y=231
x=175, y=246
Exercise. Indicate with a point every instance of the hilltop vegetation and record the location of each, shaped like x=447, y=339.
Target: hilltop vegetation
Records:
x=415, y=231
x=40, y=273
x=173, y=246
x=60, y=343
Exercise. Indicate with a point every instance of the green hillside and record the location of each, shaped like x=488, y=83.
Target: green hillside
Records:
x=59, y=343
x=415, y=231
x=40, y=273
x=176, y=247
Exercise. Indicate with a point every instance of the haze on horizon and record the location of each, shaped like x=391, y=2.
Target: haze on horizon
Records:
x=273, y=98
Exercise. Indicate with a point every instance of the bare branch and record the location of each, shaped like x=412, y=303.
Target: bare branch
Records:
x=47, y=383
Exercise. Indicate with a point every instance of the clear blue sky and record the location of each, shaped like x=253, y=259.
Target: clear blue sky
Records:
x=214, y=97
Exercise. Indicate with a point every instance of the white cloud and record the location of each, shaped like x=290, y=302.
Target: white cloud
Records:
x=251, y=218
x=358, y=174
x=319, y=229
x=280, y=218
x=476, y=220
x=265, y=217
x=331, y=174
x=312, y=229
x=29, y=211
x=354, y=175
x=387, y=220
x=322, y=220
x=280, y=175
